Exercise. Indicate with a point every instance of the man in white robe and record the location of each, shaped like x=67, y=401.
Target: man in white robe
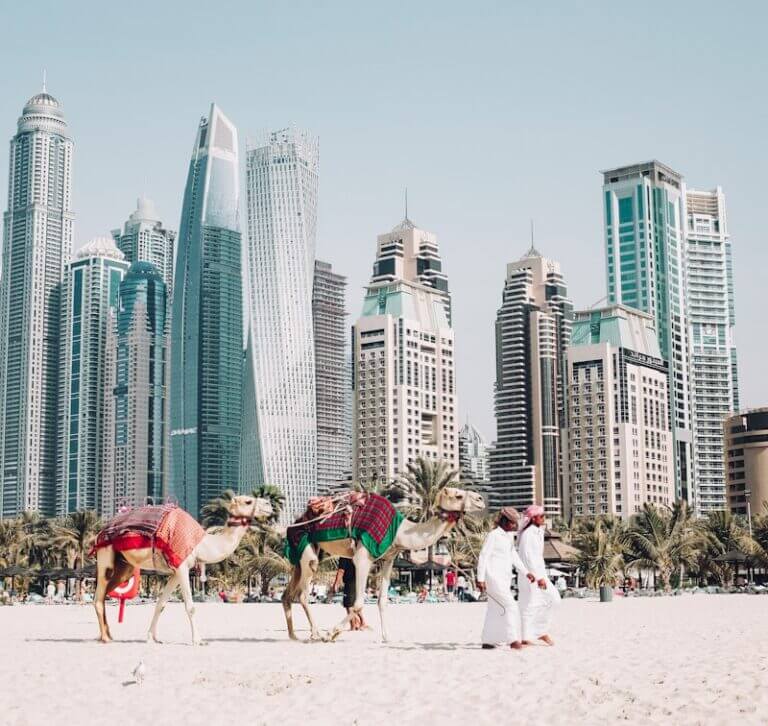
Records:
x=494, y=577
x=538, y=601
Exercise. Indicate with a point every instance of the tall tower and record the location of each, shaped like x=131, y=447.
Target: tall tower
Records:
x=473, y=455
x=144, y=237
x=89, y=301
x=332, y=382
x=533, y=328
x=711, y=320
x=135, y=430
x=279, y=423
x=207, y=323
x=404, y=398
x=37, y=243
x=645, y=263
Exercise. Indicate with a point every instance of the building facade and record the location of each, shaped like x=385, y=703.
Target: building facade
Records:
x=474, y=455
x=746, y=461
x=89, y=302
x=619, y=452
x=144, y=237
x=332, y=380
x=37, y=245
x=533, y=328
x=280, y=422
x=136, y=425
x=404, y=398
x=207, y=322
x=644, y=208
x=712, y=320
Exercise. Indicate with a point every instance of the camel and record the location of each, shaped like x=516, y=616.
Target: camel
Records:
x=112, y=567
x=452, y=504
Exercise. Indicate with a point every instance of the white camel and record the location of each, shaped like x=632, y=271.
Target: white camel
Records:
x=112, y=567
x=451, y=504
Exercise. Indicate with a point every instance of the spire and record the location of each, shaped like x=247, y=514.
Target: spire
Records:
x=45, y=90
x=532, y=252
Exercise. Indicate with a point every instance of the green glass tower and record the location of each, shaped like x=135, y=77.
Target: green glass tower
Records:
x=645, y=256
x=207, y=322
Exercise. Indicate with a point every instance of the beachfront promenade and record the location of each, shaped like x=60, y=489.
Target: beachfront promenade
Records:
x=691, y=659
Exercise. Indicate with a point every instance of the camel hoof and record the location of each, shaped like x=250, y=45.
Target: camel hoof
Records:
x=105, y=639
x=333, y=636
x=199, y=642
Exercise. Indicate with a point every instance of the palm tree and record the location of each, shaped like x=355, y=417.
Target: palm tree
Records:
x=760, y=535
x=275, y=496
x=723, y=533
x=74, y=534
x=215, y=512
x=466, y=541
x=663, y=538
x=11, y=537
x=421, y=485
x=259, y=554
x=601, y=552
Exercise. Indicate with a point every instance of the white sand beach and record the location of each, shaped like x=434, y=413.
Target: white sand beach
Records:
x=700, y=659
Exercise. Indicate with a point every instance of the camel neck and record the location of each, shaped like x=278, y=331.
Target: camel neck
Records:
x=419, y=535
x=217, y=547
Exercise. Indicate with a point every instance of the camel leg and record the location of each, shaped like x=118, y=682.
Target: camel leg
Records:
x=362, y=562
x=309, y=563
x=166, y=592
x=386, y=575
x=182, y=574
x=105, y=563
x=287, y=600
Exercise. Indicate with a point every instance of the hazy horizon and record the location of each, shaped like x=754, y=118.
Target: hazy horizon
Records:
x=491, y=118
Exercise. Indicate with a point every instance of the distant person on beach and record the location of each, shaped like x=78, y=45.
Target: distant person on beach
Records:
x=50, y=592
x=494, y=577
x=537, y=601
x=450, y=583
x=461, y=587
x=346, y=576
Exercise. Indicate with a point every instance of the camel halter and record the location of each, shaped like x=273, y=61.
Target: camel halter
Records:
x=453, y=516
x=239, y=521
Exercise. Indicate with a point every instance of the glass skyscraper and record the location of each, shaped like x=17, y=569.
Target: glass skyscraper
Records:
x=645, y=265
x=207, y=323
x=279, y=422
x=37, y=244
x=135, y=425
x=89, y=300
x=712, y=320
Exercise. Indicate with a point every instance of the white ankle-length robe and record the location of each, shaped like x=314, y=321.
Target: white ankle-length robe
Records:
x=536, y=605
x=494, y=568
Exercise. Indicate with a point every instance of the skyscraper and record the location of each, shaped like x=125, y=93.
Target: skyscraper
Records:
x=474, y=455
x=144, y=237
x=135, y=426
x=89, y=300
x=332, y=381
x=533, y=328
x=619, y=443
x=279, y=422
x=711, y=319
x=404, y=387
x=37, y=243
x=645, y=255
x=207, y=324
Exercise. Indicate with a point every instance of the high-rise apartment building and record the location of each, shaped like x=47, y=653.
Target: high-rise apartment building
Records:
x=533, y=328
x=645, y=263
x=332, y=380
x=712, y=320
x=619, y=452
x=145, y=238
x=746, y=461
x=207, y=322
x=89, y=301
x=474, y=455
x=135, y=426
x=404, y=387
x=37, y=244
x=279, y=421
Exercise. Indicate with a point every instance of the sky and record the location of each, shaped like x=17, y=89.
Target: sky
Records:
x=490, y=113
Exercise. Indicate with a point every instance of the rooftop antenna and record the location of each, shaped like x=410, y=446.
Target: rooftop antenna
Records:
x=406, y=202
x=44, y=88
x=532, y=252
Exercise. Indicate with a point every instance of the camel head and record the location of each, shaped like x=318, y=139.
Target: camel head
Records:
x=244, y=509
x=453, y=503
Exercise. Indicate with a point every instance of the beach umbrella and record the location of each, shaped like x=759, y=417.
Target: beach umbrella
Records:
x=733, y=557
x=555, y=550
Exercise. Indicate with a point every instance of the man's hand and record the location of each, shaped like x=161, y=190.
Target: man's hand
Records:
x=542, y=583
x=531, y=577
x=481, y=586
